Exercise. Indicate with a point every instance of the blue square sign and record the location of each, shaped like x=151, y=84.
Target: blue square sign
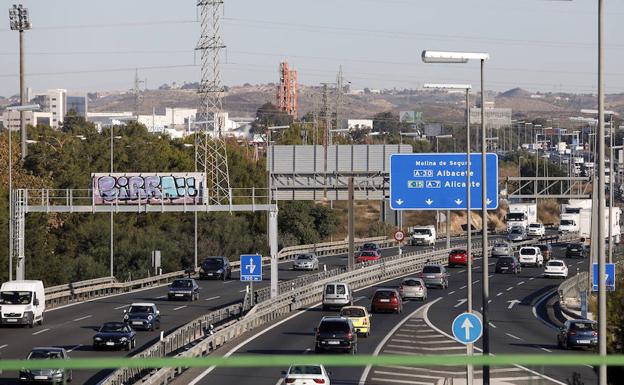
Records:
x=251, y=267
x=438, y=181
x=609, y=278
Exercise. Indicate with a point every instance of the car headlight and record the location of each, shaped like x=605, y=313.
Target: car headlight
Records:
x=220, y=271
x=149, y=317
x=123, y=339
x=98, y=339
x=126, y=317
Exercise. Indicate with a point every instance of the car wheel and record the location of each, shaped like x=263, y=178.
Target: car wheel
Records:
x=133, y=343
x=224, y=276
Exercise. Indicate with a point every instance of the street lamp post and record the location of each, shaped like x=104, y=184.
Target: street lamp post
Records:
x=112, y=138
x=20, y=21
x=448, y=212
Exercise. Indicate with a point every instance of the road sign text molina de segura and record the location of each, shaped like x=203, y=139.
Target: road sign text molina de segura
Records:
x=438, y=181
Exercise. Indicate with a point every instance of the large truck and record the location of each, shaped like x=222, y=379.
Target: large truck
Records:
x=22, y=303
x=521, y=214
x=585, y=217
x=569, y=221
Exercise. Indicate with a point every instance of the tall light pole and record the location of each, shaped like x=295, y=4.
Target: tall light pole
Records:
x=112, y=138
x=464, y=57
x=448, y=212
x=20, y=21
x=466, y=87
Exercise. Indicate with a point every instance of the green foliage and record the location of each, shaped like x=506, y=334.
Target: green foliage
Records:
x=378, y=229
x=306, y=222
x=269, y=115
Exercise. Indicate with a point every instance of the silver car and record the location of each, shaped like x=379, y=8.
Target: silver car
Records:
x=517, y=234
x=435, y=275
x=501, y=249
x=412, y=287
x=306, y=262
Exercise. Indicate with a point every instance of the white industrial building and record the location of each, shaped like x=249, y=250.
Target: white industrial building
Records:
x=11, y=119
x=359, y=124
x=495, y=118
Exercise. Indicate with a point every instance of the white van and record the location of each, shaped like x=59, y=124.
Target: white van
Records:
x=337, y=294
x=423, y=235
x=22, y=303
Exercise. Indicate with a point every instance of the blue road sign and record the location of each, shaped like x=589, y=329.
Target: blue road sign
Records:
x=467, y=328
x=251, y=268
x=610, y=278
x=438, y=181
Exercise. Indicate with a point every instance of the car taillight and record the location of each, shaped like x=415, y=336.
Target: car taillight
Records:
x=571, y=333
x=349, y=335
x=394, y=300
x=319, y=380
x=289, y=380
x=594, y=334
x=364, y=321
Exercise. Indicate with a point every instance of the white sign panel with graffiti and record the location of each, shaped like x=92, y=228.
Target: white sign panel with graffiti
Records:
x=171, y=188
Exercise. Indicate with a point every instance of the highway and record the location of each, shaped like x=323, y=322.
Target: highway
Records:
x=421, y=329
x=73, y=327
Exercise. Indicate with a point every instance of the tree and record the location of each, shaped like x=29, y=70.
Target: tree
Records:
x=388, y=122
x=269, y=115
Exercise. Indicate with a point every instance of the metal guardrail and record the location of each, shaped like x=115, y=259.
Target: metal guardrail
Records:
x=100, y=287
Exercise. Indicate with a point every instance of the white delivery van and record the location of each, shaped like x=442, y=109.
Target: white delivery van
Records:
x=337, y=294
x=22, y=303
x=423, y=235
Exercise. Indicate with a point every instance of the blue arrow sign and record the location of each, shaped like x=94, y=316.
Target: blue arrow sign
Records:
x=251, y=268
x=467, y=328
x=438, y=181
x=610, y=278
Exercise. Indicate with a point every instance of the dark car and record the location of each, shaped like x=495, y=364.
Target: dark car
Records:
x=386, y=300
x=546, y=250
x=115, y=335
x=335, y=333
x=142, y=316
x=578, y=333
x=371, y=247
x=575, y=250
x=46, y=375
x=434, y=275
x=184, y=288
x=507, y=264
x=215, y=267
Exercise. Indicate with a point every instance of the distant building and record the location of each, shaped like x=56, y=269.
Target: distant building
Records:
x=78, y=105
x=11, y=119
x=107, y=119
x=495, y=118
x=180, y=119
x=53, y=101
x=358, y=124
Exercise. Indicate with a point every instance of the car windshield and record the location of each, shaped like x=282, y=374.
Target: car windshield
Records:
x=15, y=297
x=534, y=225
x=44, y=354
x=574, y=246
x=182, y=284
x=305, y=370
x=527, y=251
x=555, y=263
x=500, y=245
x=412, y=282
x=422, y=231
x=458, y=251
x=304, y=257
x=334, y=326
x=431, y=269
x=583, y=326
x=213, y=263
x=368, y=253
x=515, y=216
x=341, y=289
x=352, y=312
x=516, y=230
x=566, y=222
x=369, y=246
x=113, y=327
x=140, y=309
x=384, y=294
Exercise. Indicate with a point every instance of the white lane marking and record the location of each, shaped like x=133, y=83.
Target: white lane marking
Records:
x=379, y=379
x=492, y=325
x=514, y=337
x=359, y=298
x=462, y=271
x=161, y=296
x=40, y=331
x=546, y=350
x=509, y=288
x=3, y=346
x=491, y=275
x=490, y=301
x=180, y=307
x=461, y=302
x=387, y=337
x=451, y=292
x=512, y=303
x=81, y=318
x=520, y=283
x=280, y=381
x=211, y=298
x=532, y=278
x=463, y=287
x=538, y=303
x=242, y=291
x=579, y=262
x=206, y=372
x=74, y=348
x=308, y=350
x=121, y=307
x=475, y=282
x=226, y=282
x=499, y=294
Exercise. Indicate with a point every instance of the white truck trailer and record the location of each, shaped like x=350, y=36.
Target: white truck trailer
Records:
x=521, y=214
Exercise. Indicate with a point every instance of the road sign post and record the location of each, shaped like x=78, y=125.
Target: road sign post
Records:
x=467, y=328
x=609, y=277
x=250, y=271
x=399, y=236
x=438, y=181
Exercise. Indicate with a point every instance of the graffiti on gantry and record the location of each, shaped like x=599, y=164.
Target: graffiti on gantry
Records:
x=148, y=188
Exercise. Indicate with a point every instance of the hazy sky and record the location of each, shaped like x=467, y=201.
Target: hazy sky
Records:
x=88, y=45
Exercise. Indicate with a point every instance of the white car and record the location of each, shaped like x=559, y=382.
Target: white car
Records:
x=306, y=375
x=536, y=230
x=530, y=255
x=556, y=268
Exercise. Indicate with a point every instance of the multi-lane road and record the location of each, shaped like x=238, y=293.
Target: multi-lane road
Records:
x=517, y=303
x=73, y=327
